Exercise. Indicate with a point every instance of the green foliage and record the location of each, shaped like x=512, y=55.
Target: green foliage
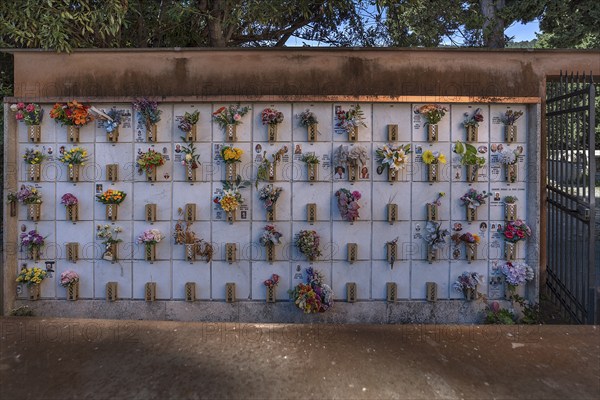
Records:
x=23, y=311
x=499, y=317
x=570, y=24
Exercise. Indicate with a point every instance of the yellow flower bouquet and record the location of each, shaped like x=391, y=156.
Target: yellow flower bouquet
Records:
x=433, y=157
x=74, y=156
x=32, y=276
x=231, y=154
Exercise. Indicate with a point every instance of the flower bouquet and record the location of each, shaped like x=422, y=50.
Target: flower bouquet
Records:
x=32, y=277
x=312, y=163
x=350, y=120
x=149, y=238
x=472, y=200
x=433, y=114
x=231, y=155
x=112, y=120
x=33, y=158
x=269, y=195
x=111, y=198
x=32, y=198
x=467, y=284
x=187, y=124
x=514, y=232
x=271, y=284
x=70, y=280
x=433, y=159
x=509, y=159
x=33, y=241
x=228, y=118
x=73, y=115
x=308, y=119
x=435, y=237
x=271, y=117
x=471, y=241
x=32, y=115
x=194, y=245
x=468, y=156
x=230, y=198
x=510, y=129
x=471, y=123
x=308, y=244
x=314, y=296
x=110, y=240
x=74, y=158
x=516, y=274
x=191, y=160
x=269, y=239
x=348, y=204
x=267, y=170
x=394, y=158
x=71, y=205
x=149, y=162
x=432, y=208
x=350, y=159
x=149, y=116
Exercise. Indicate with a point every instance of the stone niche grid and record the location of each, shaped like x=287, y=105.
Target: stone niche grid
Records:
x=370, y=271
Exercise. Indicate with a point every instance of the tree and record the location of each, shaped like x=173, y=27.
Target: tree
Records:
x=570, y=24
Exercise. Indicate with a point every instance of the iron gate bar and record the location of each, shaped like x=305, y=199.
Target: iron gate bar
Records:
x=572, y=274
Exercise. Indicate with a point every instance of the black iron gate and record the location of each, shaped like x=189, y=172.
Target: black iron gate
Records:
x=572, y=271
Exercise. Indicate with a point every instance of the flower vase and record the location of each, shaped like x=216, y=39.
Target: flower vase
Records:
x=150, y=252
x=270, y=294
x=432, y=254
x=151, y=133
x=191, y=135
x=472, y=173
x=470, y=294
x=432, y=173
x=272, y=171
x=230, y=172
x=34, y=292
x=190, y=252
x=352, y=172
x=111, y=252
x=392, y=175
x=511, y=173
x=510, y=212
x=472, y=133
x=312, y=130
x=112, y=211
x=190, y=172
x=12, y=208
x=34, y=211
x=353, y=134
x=73, y=133
x=270, y=252
x=230, y=217
x=510, y=251
x=72, y=212
x=471, y=214
x=34, y=253
x=151, y=175
x=230, y=133
x=34, y=133
x=74, y=172
x=432, y=212
x=272, y=132
x=510, y=133
x=312, y=172
x=113, y=136
x=432, y=132
x=471, y=252
x=392, y=213
x=271, y=214
x=35, y=172
x=73, y=291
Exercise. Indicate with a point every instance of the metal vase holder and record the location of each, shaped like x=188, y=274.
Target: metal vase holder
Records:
x=34, y=133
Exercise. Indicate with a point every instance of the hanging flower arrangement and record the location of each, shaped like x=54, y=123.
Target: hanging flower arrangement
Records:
x=111, y=196
x=29, y=195
x=33, y=157
x=150, y=160
x=474, y=119
x=32, y=276
x=392, y=157
x=348, y=203
x=31, y=113
x=188, y=121
x=231, y=154
x=148, y=112
x=69, y=278
x=308, y=243
x=314, y=296
x=71, y=114
x=230, y=198
x=269, y=195
x=271, y=116
x=270, y=236
x=433, y=157
x=472, y=199
x=351, y=119
x=307, y=118
x=74, y=156
x=435, y=236
x=68, y=199
x=231, y=115
x=433, y=113
x=516, y=231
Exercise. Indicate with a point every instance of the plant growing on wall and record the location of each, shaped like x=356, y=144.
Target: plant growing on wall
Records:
x=148, y=112
x=72, y=113
x=314, y=296
x=31, y=113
